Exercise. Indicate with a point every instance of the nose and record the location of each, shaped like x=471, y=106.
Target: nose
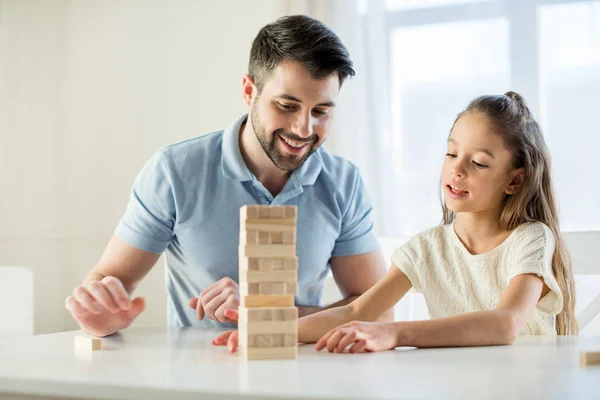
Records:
x=458, y=169
x=303, y=125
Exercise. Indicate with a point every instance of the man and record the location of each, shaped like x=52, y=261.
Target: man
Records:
x=186, y=200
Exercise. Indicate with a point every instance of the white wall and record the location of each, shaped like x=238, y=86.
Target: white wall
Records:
x=88, y=91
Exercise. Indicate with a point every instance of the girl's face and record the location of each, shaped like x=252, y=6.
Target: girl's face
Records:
x=477, y=174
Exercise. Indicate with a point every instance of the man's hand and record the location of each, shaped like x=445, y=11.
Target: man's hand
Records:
x=228, y=338
x=103, y=307
x=216, y=299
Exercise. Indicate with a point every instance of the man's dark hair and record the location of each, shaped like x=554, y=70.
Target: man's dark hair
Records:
x=303, y=39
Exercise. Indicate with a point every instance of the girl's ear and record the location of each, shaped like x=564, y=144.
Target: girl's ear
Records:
x=518, y=177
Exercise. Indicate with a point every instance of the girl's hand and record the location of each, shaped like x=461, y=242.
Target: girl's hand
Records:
x=363, y=336
x=228, y=338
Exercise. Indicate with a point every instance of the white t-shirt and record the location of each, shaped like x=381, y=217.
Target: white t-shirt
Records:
x=455, y=281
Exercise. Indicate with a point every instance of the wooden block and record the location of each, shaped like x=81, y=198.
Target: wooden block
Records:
x=268, y=340
x=291, y=212
x=284, y=340
x=266, y=301
x=268, y=212
x=262, y=340
x=266, y=251
x=268, y=225
x=276, y=288
x=268, y=353
x=268, y=264
x=267, y=327
x=264, y=212
x=277, y=212
x=277, y=237
x=271, y=276
x=249, y=212
x=248, y=237
x=587, y=358
x=267, y=288
x=268, y=314
x=260, y=237
x=83, y=342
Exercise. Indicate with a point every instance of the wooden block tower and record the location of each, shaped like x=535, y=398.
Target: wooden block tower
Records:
x=268, y=319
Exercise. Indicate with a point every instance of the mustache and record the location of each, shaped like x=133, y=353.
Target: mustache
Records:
x=291, y=136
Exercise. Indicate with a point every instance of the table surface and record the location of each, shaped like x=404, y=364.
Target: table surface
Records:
x=160, y=363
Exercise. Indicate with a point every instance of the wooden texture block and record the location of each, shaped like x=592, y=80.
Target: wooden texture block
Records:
x=267, y=250
x=268, y=353
x=268, y=225
x=268, y=340
x=268, y=327
x=587, y=358
x=268, y=314
x=87, y=343
x=268, y=212
x=252, y=301
x=249, y=212
x=268, y=288
x=260, y=237
x=268, y=264
x=270, y=276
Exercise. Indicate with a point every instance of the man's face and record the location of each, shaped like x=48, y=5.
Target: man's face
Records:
x=292, y=114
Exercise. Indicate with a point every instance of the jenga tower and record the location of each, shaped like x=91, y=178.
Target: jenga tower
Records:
x=268, y=319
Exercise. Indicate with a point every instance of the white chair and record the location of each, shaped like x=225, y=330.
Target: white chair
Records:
x=16, y=301
x=585, y=252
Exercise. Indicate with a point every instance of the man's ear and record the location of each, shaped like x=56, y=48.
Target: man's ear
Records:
x=249, y=90
x=518, y=177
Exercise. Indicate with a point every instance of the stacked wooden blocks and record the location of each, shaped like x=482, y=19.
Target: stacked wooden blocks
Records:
x=268, y=319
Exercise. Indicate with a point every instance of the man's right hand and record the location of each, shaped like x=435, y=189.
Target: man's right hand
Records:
x=103, y=307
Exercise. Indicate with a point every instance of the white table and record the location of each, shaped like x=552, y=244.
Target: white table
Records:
x=155, y=363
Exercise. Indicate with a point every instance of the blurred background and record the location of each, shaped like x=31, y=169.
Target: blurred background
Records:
x=90, y=89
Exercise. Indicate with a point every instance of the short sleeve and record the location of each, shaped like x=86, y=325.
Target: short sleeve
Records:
x=533, y=252
x=356, y=236
x=404, y=258
x=149, y=220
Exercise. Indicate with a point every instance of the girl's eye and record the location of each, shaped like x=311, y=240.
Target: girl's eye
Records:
x=450, y=155
x=478, y=165
x=319, y=112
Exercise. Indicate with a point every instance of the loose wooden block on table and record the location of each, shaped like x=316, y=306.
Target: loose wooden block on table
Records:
x=83, y=342
x=587, y=358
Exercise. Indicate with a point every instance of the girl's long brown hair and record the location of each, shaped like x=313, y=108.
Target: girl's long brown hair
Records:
x=535, y=199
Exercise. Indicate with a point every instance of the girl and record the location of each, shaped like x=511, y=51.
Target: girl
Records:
x=496, y=268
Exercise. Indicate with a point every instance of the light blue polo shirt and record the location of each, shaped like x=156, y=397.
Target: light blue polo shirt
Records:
x=186, y=200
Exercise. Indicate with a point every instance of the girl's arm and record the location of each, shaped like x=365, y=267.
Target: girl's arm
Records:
x=494, y=327
x=370, y=306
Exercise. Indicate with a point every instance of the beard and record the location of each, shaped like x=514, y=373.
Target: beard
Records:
x=283, y=161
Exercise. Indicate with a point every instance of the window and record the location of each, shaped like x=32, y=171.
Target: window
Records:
x=443, y=53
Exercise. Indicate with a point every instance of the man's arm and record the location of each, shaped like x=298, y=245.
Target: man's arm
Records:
x=354, y=275
x=123, y=261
